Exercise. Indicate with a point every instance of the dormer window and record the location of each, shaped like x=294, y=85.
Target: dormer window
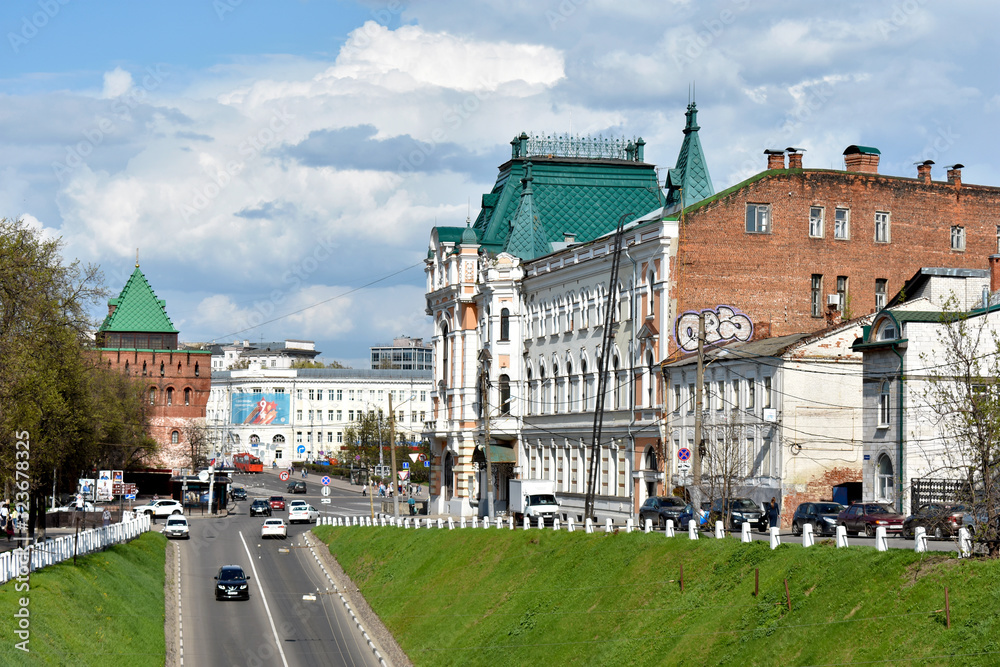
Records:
x=887, y=331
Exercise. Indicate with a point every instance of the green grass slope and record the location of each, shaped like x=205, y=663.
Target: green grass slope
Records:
x=489, y=597
x=107, y=610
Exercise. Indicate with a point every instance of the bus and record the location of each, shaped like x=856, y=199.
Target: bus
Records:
x=247, y=463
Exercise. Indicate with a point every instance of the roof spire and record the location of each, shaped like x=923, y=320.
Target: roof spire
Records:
x=137, y=258
x=689, y=181
x=527, y=238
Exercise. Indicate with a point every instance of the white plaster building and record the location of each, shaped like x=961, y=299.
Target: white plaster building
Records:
x=293, y=415
x=278, y=354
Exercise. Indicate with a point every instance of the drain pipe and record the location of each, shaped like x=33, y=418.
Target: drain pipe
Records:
x=631, y=423
x=899, y=456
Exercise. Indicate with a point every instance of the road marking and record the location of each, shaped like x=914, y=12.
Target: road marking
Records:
x=274, y=631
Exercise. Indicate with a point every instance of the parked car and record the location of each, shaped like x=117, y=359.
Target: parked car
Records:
x=177, y=526
x=260, y=507
x=292, y=504
x=689, y=513
x=231, y=583
x=277, y=502
x=740, y=511
x=660, y=508
x=867, y=517
x=160, y=508
x=238, y=493
x=822, y=516
x=296, y=486
x=304, y=513
x=940, y=520
x=274, y=528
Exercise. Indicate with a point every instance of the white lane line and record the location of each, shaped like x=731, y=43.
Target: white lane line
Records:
x=274, y=631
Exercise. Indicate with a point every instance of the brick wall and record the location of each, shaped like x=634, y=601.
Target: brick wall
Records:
x=818, y=488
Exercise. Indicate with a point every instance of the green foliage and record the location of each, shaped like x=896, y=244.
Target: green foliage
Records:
x=488, y=597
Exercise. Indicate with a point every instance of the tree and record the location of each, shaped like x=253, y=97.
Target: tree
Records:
x=198, y=444
x=961, y=399
x=303, y=363
x=724, y=465
x=336, y=364
x=364, y=439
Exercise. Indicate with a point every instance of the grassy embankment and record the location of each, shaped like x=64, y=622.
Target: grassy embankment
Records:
x=106, y=610
x=488, y=597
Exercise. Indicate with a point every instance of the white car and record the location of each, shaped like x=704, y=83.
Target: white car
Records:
x=274, y=528
x=160, y=508
x=304, y=513
x=297, y=503
x=177, y=526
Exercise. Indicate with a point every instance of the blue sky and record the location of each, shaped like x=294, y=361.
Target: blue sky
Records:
x=266, y=157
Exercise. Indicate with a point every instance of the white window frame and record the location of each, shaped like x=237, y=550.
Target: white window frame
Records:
x=958, y=238
x=816, y=215
x=882, y=228
x=884, y=404
x=842, y=224
x=758, y=219
x=881, y=296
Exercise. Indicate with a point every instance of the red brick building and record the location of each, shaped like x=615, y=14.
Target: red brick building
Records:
x=138, y=338
x=797, y=249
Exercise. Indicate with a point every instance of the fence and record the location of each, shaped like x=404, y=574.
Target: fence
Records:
x=21, y=560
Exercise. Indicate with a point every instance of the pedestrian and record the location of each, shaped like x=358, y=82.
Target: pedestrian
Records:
x=364, y=490
x=107, y=517
x=413, y=506
x=9, y=527
x=772, y=512
x=79, y=502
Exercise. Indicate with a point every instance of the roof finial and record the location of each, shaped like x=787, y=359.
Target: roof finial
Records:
x=137, y=258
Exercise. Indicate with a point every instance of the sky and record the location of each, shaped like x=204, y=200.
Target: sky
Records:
x=279, y=165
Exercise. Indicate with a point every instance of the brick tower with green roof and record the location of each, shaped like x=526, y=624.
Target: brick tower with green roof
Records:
x=138, y=338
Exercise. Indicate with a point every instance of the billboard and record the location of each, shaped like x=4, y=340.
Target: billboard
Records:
x=259, y=408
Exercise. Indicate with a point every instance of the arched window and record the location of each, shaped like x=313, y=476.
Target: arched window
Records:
x=615, y=389
x=650, y=385
x=650, y=280
x=278, y=439
x=187, y=396
x=175, y=437
x=543, y=390
x=651, y=461
x=505, y=394
x=126, y=368
x=170, y=395
x=556, y=387
x=152, y=395
x=144, y=368
x=584, y=386
x=254, y=439
x=531, y=394
x=504, y=324
x=162, y=369
x=178, y=368
x=444, y=354
x=197, y=373
x=885, y=478
x=570, y=387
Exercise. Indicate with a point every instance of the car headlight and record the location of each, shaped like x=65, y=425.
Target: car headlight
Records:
x=828, y=519
x=221, y=587
x=243, y=587
x=881, y=523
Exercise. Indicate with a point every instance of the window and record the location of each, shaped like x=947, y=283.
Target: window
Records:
x=883, y=404
x=187, y=397
x=329, y=415
x=505, y=324
x=340, y=436
x=766, y=398
x=423, y=396
x=880, y=293
x=152, y=395
x=279, y=390
x=691, y=397
x=958, y=237
x=842, y=224
x=751, y=394
x=842, y=292
x=816, y=295
x=196, y=371
x=884, y=479
x=350, y=415
x=298, y=394
x=736, y=395
x=422, y=415
x=881, y=227
x=720, y=395
x=816, y=221
x=175, y=437
x=677, y=398
x=758, y=218
x=350, y=394
x=310, y=415
x=998, y=238
x=504, y=394
x=312, y=394
x=298, y=436
x=298, y=415
x=340, y=394
x=162, y=369
x=170, y=395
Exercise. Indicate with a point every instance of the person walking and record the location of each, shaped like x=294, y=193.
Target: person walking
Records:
x=413, y=506
x=107, y=517
x=773, y=514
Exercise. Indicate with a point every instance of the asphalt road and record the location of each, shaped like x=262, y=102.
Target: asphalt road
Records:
x=277, y=626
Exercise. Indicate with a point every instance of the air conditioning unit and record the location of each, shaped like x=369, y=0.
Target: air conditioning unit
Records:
x=833, y=300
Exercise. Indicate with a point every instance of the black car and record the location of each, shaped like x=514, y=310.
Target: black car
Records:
x=260, y=507
x=822, y=516
x=741, y=510
x=940, y=520
x=238, y=493
x=296, y=486
x=231, y=583
x=660, y=508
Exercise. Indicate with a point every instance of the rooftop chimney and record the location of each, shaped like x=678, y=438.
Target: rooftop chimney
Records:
x=861, y=158
x=775, y=158
x=955, y=174
x=795, y=157
x=569, y=237
x=994, y=273
x=924, y=171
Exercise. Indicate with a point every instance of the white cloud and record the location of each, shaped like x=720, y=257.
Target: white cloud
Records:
x=116, y=83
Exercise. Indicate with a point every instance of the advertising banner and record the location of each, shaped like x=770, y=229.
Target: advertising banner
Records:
x=104, y=485
x=261, y=408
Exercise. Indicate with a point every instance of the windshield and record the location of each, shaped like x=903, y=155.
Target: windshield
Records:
x=744, y=504
x=828, y=508
x=671, y=502
x=232, y=575
x=542, y=500
x=877, y=509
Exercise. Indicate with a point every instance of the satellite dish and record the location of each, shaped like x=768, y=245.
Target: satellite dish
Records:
x=203, y=475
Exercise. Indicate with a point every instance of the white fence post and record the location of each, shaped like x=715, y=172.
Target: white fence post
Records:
x=920, y=539
x=451, y=524
x=475, y=522
x=775, y=537
x=526, y=523
x=807, y=535
x=880, y=542
x=745, y=536
x=841, y=536
x=569, y=524
x=607, y=525
x=692, y=529
x=588, y=526
x=440, y=524
x=628, y=525
x=720, y=531
x=648, y=526
x=670, y=528
x=555, y=523
x=461, y=522
x=510, y=522
x=964, y=543
x=540, y=523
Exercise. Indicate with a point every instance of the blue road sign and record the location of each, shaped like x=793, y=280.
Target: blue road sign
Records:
x=325, y=480
x=301, y=449
x=406, y=465
x=683, y=454
x=427, y=464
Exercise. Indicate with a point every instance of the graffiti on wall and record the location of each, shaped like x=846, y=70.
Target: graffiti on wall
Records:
x=722, y=324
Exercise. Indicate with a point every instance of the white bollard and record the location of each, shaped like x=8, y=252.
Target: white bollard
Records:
x=555, y=523
x=880, y=542
x=510, y=522
x=406, y=522
x=720, y=532
x=648, y=526
x=461, y=523
x=427, y=523
x=499, y=523
x=920, y=539
x=745, y=536
x=526, y=524
x=569, y=524
x=540, y=523
x=807, y=535
x=486, y=522
x=440, y=523
x=589, y=526
x=607, y=525
x=670, y=528
x=841, y=536
x=964, y=543
x=692, y=529
x=451, y=524
x=775, y=537
x=475, y=522
x=628, y=525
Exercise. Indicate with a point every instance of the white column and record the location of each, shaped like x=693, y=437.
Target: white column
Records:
x=807, y=535
x=670, y=528
x=775, y=537
x=720, y=531
x=692, y=529
x=841, y=536
x=880, y=542
x=648, y=526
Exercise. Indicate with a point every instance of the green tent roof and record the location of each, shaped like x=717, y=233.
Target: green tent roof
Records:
x=527, y=239
x=137, y=309
x=689, y=179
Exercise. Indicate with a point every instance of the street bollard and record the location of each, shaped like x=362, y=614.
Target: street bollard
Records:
x=692, y=529
x=720, y=532
x=540, y=523
x=499, y=523
x=841, y=537
x=807, y=535
x=628, y=525
x=745, y=536
x=461, y=522
x=475, y=522
x=920, y=539
x=964, y=543
x=881, y=544
x=775, y=537
x=486, y=522
x=589, y=526
x=608, y=527
x=648, y=526
x=569, y=524
x=670, y=528
x=526, y=524
x=555, y=523
x=510, y=522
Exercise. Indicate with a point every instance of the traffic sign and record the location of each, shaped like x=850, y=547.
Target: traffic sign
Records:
x=406, y=465
x=130, y=496
x=325, y=490
x=683, y=454
x=325, y=480
x=283, y=475
x=301, y=449
x=325, y=501
x=427, y=464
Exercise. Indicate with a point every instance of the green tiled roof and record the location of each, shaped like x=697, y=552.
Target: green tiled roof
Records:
x=690, y=179
x=582, y=196
x=137, y=309
x=527, y=238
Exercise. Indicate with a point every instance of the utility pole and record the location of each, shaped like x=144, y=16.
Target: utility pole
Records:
x=698, y=394
x=485, y=358
x=392, y=449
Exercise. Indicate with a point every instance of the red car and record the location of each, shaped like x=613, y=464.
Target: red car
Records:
x=277, y=502
x=868, y=517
